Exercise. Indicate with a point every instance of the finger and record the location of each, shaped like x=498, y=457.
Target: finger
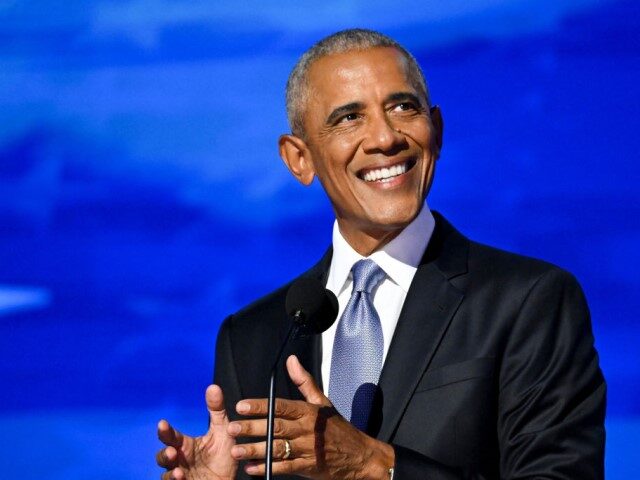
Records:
x=176, y=474
x=281, y=467
x=215, y=405
x=169, y=435
x=258, y=428
x=258, y=451
x=167, y=458
x=305, y=383
x=290, y=409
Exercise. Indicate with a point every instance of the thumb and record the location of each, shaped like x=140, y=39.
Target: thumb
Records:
x=215, y=405
x=305, y=383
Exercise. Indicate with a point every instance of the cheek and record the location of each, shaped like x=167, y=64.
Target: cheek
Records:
x=334, y=181
x=422, y=133
x=334, y=162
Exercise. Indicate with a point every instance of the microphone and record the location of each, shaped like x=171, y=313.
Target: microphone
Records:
x=313, y=309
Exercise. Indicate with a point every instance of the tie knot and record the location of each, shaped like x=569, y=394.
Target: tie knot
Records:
x=366, y=275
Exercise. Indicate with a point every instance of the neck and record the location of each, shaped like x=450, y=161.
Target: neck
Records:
x=365, y=242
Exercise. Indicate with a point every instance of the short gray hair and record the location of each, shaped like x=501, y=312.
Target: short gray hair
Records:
x=354, y=39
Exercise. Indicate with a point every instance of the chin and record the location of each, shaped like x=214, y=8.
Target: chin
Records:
x=395, y=220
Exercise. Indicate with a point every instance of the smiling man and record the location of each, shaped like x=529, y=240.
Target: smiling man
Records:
x=372, y=140
x=450, y=359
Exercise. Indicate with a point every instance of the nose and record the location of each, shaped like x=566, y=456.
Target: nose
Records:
x=382, y=136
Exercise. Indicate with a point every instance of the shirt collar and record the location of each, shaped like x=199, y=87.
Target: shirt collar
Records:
x=399, y=258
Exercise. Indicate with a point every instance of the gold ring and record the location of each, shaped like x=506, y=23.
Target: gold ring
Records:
x=287, y=449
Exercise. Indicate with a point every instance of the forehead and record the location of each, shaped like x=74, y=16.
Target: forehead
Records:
x=345, y=77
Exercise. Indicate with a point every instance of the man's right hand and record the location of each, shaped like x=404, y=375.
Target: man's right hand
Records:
x=199, y=458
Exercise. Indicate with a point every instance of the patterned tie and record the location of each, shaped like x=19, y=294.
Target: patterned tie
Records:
x=356, y=360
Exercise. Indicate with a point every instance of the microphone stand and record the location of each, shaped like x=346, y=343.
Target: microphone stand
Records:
x=293, y=331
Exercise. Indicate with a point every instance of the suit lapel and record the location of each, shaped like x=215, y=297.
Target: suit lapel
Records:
x=429, y=307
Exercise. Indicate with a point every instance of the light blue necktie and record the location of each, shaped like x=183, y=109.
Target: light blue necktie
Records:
x=356, y=360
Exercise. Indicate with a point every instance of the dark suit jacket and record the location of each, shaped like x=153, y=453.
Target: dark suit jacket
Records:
x=491, y=372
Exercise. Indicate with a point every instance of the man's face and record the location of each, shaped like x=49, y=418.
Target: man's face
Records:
x=372, y=142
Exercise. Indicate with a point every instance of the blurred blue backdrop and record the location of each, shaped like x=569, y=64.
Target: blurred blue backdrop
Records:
x=138, y=164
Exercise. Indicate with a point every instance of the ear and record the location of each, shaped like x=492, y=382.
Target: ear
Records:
x=297, y=157
x=438, y=125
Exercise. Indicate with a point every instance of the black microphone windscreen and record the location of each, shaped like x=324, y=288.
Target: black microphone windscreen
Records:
x=317, y=307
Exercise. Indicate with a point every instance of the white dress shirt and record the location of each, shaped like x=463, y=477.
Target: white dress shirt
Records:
x=399, y=259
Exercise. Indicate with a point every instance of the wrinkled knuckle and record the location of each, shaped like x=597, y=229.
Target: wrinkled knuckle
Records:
x=250, y=450
x=278, y=450
x=291, y=411
x=288, y=467
x=278, y=427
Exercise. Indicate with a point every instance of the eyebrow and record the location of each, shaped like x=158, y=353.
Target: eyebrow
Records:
x=355, y=106
x=400, y=96
x=343, y=110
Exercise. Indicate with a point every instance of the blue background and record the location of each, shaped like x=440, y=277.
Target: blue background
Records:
x=139, y=168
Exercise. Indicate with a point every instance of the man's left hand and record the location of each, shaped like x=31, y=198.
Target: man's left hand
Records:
x=323, y=445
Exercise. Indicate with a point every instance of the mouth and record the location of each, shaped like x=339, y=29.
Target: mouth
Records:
x=386, y=174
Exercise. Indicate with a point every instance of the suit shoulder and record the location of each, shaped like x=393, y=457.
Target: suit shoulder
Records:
x=486, y=265
x=513, y=268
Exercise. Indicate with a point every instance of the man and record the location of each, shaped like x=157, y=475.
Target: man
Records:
x=482, y=362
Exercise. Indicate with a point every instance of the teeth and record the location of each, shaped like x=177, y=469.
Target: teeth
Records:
x=385, y=173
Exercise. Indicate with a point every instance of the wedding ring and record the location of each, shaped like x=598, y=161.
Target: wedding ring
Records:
x=287, y=449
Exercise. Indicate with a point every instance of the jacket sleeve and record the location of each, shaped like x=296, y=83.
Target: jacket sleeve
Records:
x=225, y=370
x=226, y=378
x=552, y=394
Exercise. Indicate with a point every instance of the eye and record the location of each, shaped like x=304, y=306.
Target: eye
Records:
x=405, y=107
x=349, y=117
